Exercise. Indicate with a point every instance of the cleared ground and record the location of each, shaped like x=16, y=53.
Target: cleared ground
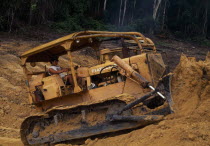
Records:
x=190, y=125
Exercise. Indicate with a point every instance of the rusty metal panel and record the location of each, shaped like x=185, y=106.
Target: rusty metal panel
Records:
x=83, y=72
x=107, y=67
x=106, y=91
x=157, y=67
x=72, y=99
x=134, y=88
x=36, y=80
x=142, y=65
x=51, y=86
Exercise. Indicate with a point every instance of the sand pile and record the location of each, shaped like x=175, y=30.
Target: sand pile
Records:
x=190, y=125
x=13, y=93
x=190, y=84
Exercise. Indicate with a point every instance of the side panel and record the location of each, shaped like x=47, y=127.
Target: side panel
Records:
x=72, y=99
x=51, y=87
x=106, y=91
x=142, y=65
x=35, y=80
x=98, y=94
x=134, y=88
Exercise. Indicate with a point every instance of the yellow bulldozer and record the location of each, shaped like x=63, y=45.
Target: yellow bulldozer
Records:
x=129, y=87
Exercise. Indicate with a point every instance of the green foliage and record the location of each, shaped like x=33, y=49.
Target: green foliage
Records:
x=187, y=18
x=111, y=27
x=143, y=25
x=2, y=22
x=201, y=41
x=183, y=18
x=165, y=44
x=33, y=7
x=205, y=42
x=69, y=25
x=90, y=23
x=179, y=34
x=78, y=23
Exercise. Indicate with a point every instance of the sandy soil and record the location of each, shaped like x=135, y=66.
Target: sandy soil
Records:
x=190, y=125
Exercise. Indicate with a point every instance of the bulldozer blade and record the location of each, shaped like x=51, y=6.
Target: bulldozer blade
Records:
x=167, y=88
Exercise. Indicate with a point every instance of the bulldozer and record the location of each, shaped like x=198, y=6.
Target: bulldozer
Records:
x=128, y=88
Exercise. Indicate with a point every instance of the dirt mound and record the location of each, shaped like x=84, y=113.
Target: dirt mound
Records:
x=10, y=141
x=190, y=84
x=190, y=125
x=14, y=107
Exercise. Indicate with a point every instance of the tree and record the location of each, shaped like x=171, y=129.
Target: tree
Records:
x=124, y=11
x=120, y=11
x=187, y=18
x=105, y=1
x=205, y=24
x=156, y=6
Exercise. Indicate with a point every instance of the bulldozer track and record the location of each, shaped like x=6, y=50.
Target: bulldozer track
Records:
x=78, y=128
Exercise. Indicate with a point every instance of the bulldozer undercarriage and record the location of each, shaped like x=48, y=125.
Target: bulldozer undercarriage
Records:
x=84, y=121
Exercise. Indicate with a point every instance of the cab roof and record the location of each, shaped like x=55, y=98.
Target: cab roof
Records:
x=78, y=40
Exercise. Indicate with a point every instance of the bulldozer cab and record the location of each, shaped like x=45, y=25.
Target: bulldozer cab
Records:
x=42, y=86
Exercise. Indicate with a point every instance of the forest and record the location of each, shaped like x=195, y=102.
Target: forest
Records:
x=182, y=18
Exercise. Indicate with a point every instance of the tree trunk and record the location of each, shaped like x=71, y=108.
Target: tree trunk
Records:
x=120, y=11
x=178, y=14
x=205, y=19
x=154, y=4
x=155, y=8
x=8, y=17
x=32, y=3
x=42, y=8
x=12, y=19
x=105, y=1
x=99, y=4
x=95, y=10
x=124, y=11
x=30, y=13
x=134, y=7
x=164, y=15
